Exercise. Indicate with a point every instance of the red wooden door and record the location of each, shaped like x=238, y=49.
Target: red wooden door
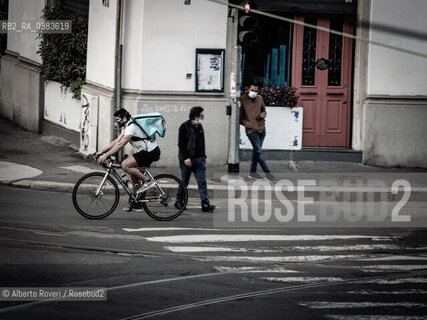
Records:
x=322, y=74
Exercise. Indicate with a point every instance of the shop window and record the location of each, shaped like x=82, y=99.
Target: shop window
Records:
x=266, y=50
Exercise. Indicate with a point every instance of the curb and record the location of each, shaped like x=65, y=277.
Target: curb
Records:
x=225, y=191
x=193, y=190
x=43, y=185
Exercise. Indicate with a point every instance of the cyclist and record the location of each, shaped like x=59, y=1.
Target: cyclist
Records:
x=148, y=151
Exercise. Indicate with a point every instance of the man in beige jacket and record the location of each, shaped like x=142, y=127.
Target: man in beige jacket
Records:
x=252, y=116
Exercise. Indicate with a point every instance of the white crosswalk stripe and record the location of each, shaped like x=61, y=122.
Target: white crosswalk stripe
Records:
x=301, y=279
x=385, y=267
x=408, y=280
x=278, y=259
x=350, y=305
x=377, y=292
x=191, y=238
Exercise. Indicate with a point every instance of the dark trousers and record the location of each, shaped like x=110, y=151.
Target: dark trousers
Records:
x=199, y=169
x=256, y=139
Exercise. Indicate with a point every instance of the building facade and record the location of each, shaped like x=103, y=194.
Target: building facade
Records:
x=358, y=96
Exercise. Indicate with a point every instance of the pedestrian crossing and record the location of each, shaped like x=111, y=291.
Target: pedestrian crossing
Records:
x=350, y=267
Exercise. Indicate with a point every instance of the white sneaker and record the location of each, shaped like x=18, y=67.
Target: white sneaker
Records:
x=145, y=186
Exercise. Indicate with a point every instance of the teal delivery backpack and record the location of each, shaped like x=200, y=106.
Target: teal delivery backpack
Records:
x=151, y=123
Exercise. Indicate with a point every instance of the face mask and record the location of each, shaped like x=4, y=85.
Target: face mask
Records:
x=252, y=94
x=119, y=124
x=200, y=122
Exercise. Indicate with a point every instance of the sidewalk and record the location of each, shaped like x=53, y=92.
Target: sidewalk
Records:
x=30, y=160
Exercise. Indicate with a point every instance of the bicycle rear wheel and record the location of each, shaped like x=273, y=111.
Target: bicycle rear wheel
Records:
x=93, y=206
x=163, y=207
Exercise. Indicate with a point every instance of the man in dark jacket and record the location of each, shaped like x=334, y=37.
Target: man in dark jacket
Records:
x=192, y=156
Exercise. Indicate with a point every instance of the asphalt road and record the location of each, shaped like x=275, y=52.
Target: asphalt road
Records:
x=191, y=269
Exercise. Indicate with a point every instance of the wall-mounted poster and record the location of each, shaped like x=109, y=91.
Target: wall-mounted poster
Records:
x=284, y=129
x=210, y=70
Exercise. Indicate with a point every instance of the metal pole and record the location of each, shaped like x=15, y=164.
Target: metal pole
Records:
x=234, y=137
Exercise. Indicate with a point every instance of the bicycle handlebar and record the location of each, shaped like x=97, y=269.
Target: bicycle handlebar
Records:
x=104, y=164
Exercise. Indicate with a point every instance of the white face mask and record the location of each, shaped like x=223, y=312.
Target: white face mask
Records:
x=252, y=94
x=197, y=122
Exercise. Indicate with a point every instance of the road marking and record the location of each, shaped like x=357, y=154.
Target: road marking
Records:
x=190, y=238
x=216, y=249
x=300, y=279
x=177, y=229
x=325, y=248
x=373, y=292
x=304, y=258
x=395, y=258
x=394, y=281
x=352, y=305
x=255, y=270
x=381, y=268
x=358, y=247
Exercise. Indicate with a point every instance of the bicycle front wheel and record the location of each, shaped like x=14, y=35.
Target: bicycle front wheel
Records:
x=162, y=207
x=92, y=200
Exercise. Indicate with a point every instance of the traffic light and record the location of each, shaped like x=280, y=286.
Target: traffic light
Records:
x=247, y=26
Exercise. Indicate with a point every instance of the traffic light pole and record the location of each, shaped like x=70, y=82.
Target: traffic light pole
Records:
x=235, y=83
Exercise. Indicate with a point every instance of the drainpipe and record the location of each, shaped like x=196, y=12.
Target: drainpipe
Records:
x=118, y=70
x=118, y=59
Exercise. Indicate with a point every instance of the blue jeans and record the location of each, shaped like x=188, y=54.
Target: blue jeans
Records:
x=256, y=139
x=199, y=169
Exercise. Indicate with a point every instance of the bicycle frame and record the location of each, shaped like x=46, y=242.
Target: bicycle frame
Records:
x=110, y=170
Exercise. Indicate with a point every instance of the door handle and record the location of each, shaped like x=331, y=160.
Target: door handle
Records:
x=344, y=102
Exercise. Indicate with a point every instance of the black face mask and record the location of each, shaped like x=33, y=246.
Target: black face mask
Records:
x=119, y=124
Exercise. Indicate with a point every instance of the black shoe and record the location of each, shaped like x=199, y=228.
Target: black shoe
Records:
x=134, y=205
x=270, y=178
x=206, y=207
x=179, y=205
x=254, y=175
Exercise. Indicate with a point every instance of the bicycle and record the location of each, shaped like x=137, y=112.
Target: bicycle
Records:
x=96, y=194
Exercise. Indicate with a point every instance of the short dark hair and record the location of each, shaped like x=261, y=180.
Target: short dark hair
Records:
x=254, y=83
x=122, y=112
x=195, y=112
